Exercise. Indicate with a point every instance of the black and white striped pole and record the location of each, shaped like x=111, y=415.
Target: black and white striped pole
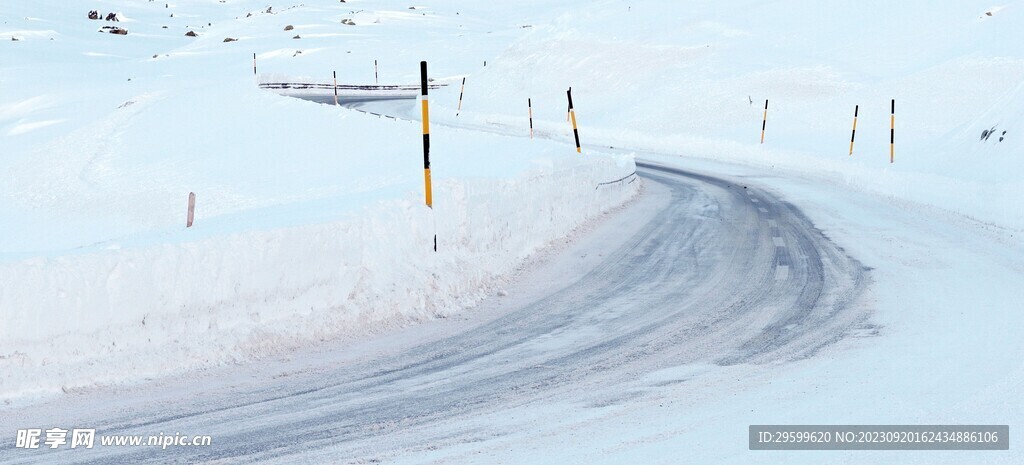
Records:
x=572, y=116
x=892, y=132
x=853, y=134
x=567, y=109
x=335, y=88
x=254, y=65
x=529, y=107
x=376, y=76
x=425, y=106
x=764, y=120
x=461, y=91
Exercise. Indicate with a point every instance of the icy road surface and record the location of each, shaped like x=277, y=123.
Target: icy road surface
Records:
x=699, y=272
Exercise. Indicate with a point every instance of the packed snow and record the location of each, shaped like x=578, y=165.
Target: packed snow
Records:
x=310, y=223
x=691, y=78
x=310, y=219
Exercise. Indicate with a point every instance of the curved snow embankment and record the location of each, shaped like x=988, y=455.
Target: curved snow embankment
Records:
x=118, y=315
x=699, y=87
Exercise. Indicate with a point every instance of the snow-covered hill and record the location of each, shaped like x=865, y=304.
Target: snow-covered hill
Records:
x=692, y=78
x=310, y=220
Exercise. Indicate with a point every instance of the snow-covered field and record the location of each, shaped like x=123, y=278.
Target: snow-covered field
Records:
x=310, y=220
x=691, y=78
x=310, y=224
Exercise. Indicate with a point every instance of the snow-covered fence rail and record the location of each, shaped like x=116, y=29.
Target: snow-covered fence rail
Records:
x=630, y=175
x=327, y=86
x=326, y=92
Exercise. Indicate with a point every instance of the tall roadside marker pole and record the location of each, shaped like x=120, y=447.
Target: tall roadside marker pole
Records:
x=764, y=120
x=892, y=132
x=572, y=116
x=376, y=75
x=461, y=91
x=254, y=65
x=568, y=109
x=191, y=209
x=335, y=88
x=529, y=106
x=426, y=140
x=853, y=134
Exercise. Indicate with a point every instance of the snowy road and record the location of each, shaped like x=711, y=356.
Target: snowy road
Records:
x=698, y=272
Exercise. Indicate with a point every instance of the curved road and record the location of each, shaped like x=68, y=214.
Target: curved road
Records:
x=699, y=271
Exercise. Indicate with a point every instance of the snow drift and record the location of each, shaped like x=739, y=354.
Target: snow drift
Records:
x=310, y=222
x=691, y=78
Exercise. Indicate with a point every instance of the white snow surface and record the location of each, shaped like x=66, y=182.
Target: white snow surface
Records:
x=310, y=219
x=310, y=222
x=691, y=78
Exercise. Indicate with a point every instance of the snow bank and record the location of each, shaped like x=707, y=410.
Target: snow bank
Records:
x=691, y=78
x=108, y=316
x=105, y=135
x=310, y=221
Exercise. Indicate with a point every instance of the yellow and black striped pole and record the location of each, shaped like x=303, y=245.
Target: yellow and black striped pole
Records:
x=426, y=140
x=572, y=116
x=892, y=132
x=853, y=134
x=426, y=132
x=461, y=91
x=335, y=87
x=764, y=120
x=529, y=107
